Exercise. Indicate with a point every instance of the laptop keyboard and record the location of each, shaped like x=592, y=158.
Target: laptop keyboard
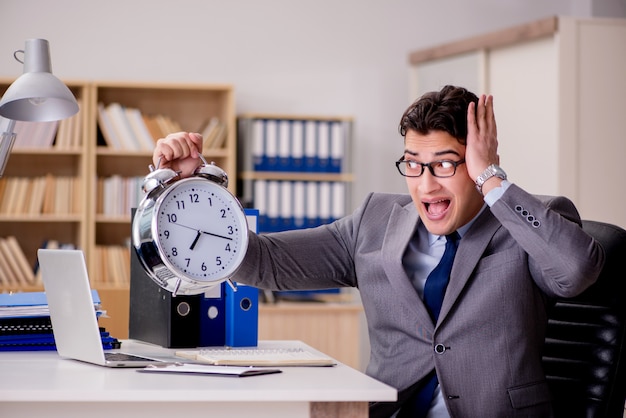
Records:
x=125, y=357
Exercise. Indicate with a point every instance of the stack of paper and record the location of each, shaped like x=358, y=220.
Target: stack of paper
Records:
x=25, y=322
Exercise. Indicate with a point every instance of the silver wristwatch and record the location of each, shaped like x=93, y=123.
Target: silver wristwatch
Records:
x=491, y=171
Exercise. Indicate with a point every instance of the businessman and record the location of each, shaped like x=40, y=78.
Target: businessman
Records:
x=455, y=276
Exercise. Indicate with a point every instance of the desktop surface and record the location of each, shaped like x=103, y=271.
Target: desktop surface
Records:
x=42, y=382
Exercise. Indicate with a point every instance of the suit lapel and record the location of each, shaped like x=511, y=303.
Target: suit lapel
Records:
x=402, y=225
x=471, y=248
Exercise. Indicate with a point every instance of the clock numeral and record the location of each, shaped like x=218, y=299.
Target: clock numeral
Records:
x=172, y=218
x=223, y=213
x=188, y=260
x=203, y=267
x=166, y=233
x=230, y=230
x=174, y=251
x=210, y=202
x=194, y=198
x=218, y=261
x=180, y=204
x=227, y=247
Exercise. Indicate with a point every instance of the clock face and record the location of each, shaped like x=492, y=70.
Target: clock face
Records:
x=200, y=230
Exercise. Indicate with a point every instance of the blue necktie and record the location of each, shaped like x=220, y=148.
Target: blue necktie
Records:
x=434, y=290
x=438, y=279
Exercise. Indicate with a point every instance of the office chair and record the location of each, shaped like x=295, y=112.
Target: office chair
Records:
x=585, y=342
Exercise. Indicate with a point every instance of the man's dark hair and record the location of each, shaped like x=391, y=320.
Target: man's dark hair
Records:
x=444, y=110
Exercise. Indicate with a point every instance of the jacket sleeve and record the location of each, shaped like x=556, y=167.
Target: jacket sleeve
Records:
x=563, y=259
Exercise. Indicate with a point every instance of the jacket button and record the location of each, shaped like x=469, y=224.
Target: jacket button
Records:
x=440, y=348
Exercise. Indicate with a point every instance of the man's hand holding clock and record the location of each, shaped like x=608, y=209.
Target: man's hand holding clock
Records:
x=179, y=151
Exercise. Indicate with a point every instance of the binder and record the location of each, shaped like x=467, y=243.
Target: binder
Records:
x=286, y=206
x=213, y=317
x=311, y=209
x=156, y=316
x=325, y=202
x=271, y=145
x=242, y=306
x=299, y=196
x=310, y=146
x=323, y=147
x=242, y=316
x=284, y=145
x=297, y=145
x=273, y=206
x=338, y=200
x=337, y=147
x=258, y=144
x=260, y=201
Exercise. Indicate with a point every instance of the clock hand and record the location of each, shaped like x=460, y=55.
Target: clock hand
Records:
x=203, y=232
x=216, y=235
x=195, y=240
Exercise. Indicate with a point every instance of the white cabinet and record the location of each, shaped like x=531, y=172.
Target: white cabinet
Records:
x=559, y=89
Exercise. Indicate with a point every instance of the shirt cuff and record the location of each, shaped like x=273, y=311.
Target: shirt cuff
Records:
x=497, y=192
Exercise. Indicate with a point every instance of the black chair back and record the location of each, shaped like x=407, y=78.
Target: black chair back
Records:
x=585, y=343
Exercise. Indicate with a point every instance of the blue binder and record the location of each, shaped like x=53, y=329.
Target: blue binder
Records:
x=213, y=317
x=242, y=316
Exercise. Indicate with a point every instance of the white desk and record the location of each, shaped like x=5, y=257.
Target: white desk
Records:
x=43, y=384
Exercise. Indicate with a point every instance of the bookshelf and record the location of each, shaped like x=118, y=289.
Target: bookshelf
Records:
x=295, y=169
x=99, y=232
x=42, y=189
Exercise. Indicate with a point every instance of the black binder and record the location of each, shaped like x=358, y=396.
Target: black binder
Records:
x=156, y=316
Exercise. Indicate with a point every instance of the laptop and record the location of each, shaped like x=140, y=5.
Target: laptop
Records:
x=74, y=322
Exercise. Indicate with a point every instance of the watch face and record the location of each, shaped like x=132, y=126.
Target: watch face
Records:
x=200, y=230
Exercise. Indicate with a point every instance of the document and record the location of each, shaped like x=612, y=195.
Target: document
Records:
x=257, y=357
x=206, y=369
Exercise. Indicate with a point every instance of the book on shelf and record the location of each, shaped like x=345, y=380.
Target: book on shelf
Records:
x=48, y=194
x=112, y=265
x=14, y=267
x=106, y=128
x=141, y=134
x=213, y=133
x=116, y=195
x=69, y=135
x=122, y=127
x=32, y=135
x=127, y=128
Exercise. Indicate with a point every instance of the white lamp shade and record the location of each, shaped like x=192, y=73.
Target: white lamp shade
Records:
x=37, y=95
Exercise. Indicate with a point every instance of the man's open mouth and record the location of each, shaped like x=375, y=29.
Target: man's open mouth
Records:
x=437, y=208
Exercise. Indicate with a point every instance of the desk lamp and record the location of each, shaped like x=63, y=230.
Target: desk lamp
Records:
x=36, y=96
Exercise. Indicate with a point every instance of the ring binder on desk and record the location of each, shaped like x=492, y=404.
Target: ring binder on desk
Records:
x=213, y=317
x=158, y=317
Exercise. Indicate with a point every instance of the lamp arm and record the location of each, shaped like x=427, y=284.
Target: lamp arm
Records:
x=6, y=144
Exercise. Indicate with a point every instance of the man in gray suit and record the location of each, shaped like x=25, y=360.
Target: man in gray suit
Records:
x=478, y=352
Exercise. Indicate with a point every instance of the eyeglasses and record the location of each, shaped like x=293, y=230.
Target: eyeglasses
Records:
x=441, y=169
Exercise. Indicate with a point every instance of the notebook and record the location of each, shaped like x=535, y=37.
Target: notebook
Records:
x=74, y=323
x=256, y=357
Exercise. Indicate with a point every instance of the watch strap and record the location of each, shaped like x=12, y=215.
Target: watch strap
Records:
x=491, y=171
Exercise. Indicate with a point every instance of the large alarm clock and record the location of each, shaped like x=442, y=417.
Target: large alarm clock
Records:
x=190, y=234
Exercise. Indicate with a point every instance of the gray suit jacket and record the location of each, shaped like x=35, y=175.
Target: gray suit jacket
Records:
x=516, y=255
